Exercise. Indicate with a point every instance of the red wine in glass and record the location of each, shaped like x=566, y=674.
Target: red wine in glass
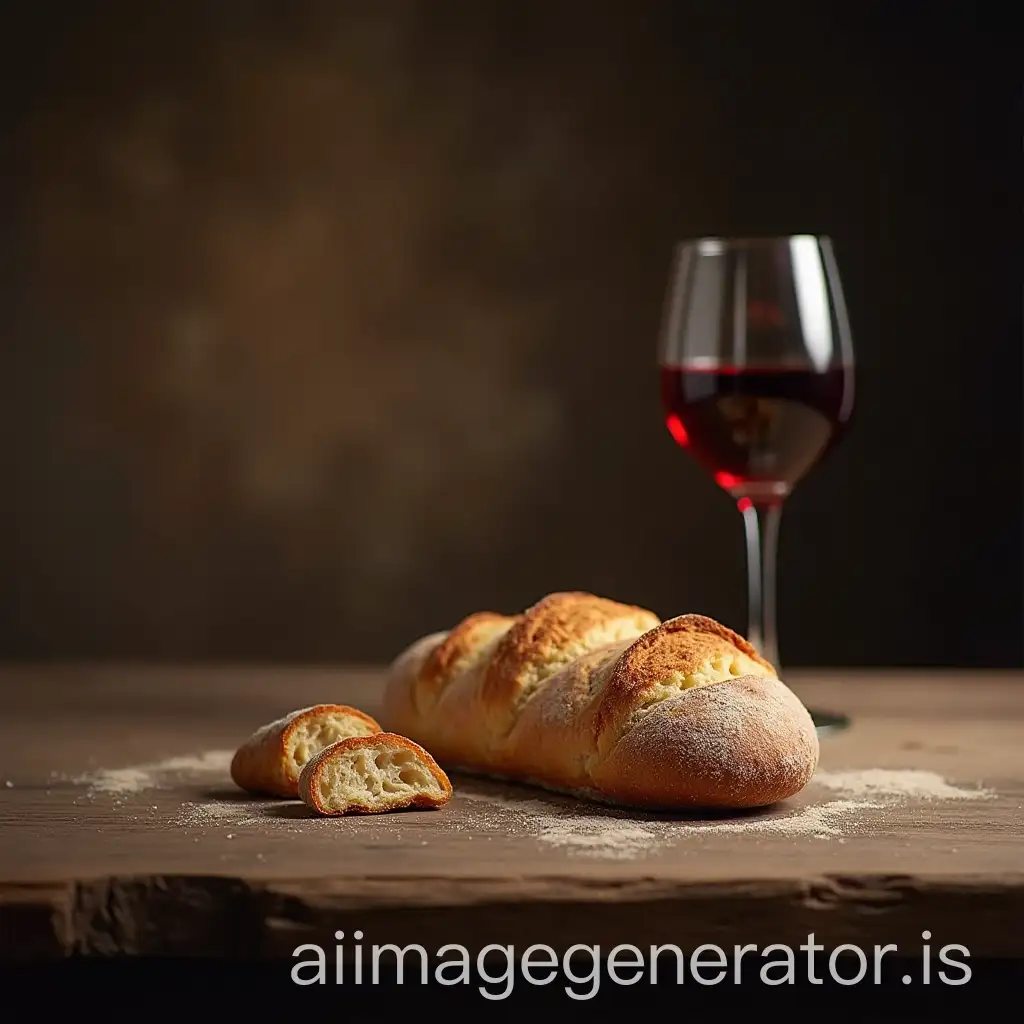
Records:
x=756, y=366
x=756, y=430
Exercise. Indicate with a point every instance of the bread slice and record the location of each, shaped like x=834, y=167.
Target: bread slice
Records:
x=373, y=774
x=270, y=761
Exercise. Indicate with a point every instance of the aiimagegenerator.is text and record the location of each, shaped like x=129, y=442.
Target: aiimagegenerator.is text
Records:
x=581, y=969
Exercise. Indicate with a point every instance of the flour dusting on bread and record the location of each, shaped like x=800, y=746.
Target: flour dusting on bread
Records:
x=732, y=740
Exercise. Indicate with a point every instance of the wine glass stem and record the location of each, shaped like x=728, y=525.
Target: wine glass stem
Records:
x=761, y=524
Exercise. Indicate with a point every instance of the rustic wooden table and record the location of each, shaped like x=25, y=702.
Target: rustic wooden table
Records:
x=120, y=831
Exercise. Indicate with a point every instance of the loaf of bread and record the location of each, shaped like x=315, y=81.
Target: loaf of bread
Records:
x=594, y=698
x=270, y=760
x=371, y=775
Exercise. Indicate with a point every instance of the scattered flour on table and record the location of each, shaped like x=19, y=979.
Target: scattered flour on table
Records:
x=242, y=813
x=606, y=834
x=596, y=835
x=590, y=830
x=911, y=784
x=157, y=775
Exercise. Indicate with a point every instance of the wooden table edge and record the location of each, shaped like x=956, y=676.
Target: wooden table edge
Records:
x=228, y=917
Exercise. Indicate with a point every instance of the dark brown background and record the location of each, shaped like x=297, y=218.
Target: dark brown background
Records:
x=323, y=325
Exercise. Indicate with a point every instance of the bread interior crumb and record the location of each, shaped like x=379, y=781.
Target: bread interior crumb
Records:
x=719, y=669
x=319, y=731
x=603, y=635
x=376, y=778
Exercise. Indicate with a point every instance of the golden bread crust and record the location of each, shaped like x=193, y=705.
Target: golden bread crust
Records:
x=679, y=647
x=554, y=632
x=309, y=780
x=563, y=712
x=398, y=700
x=455, y=652
x=263, y=765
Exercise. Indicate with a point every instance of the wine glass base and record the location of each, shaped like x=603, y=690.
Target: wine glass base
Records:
x=828, y=722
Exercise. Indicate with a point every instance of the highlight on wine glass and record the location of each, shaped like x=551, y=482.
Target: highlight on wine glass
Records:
x=756, y=363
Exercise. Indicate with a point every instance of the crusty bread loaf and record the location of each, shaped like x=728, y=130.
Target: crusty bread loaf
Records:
x=270, y=760
x=372, y=775
x=587, y=696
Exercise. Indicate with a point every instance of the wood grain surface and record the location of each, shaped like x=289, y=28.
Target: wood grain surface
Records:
x=120, y=831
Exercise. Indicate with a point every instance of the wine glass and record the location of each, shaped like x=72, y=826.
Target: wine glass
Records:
x=756, y=364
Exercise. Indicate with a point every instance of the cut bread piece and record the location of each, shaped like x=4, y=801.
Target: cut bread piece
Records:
x=270, y=761
x=371, y=775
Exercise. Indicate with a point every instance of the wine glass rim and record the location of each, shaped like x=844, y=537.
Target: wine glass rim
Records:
x=737, y=241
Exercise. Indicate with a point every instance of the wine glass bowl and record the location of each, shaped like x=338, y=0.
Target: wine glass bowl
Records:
x=757, y=371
